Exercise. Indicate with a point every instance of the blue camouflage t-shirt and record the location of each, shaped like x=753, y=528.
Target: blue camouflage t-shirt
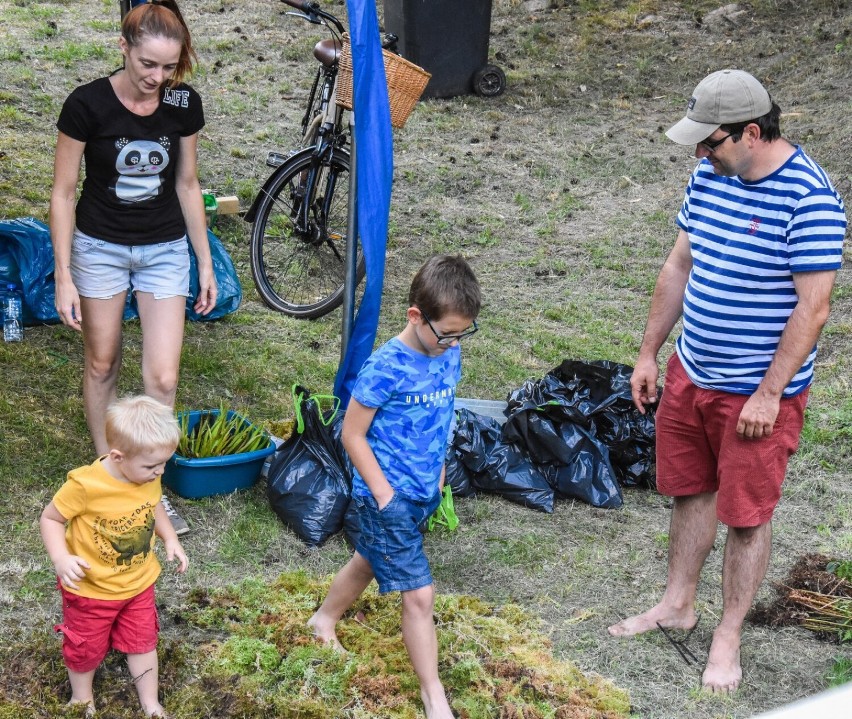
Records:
x=415, y=395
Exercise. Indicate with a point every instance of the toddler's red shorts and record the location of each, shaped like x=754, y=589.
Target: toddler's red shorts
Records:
x=92, y=626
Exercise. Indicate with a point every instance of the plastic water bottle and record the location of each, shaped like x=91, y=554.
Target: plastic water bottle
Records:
x=13, y=321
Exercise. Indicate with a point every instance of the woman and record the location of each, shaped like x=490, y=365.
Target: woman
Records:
x=138, y=131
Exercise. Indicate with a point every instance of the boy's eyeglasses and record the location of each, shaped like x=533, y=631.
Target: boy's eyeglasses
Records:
x=445, y=340
x=711, y=145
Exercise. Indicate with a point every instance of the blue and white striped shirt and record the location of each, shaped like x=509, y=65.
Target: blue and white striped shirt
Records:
x=747, y=239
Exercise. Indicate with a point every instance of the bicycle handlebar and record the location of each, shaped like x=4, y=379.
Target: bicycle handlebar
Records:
x=312, y=13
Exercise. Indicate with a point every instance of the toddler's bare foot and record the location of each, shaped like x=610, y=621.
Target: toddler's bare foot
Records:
x=723, y=672
x=89, y=705
x=324, y=632
x=668, y=617
x=155, y=711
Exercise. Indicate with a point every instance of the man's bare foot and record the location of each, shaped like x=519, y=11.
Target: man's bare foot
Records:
x=647, y=621
x=723, y=672
x=324, y=632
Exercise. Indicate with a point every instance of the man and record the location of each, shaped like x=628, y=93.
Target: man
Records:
x=760, y=241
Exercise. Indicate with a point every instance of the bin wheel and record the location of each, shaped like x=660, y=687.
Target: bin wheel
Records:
x=490, y=81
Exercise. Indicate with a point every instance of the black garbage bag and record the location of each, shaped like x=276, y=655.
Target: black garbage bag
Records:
x=496, y=467
x=615, y=421
x=457, y=475
x=581, y=415
x=588, y=475
x=310, y=479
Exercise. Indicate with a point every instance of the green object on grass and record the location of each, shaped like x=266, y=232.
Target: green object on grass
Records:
x=211, y=205
x=445, y=515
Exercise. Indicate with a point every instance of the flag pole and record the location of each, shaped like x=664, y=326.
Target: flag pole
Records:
x=351, y=258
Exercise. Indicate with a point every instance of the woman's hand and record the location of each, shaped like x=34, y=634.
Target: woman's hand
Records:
x=207, y=291
x=68, y=305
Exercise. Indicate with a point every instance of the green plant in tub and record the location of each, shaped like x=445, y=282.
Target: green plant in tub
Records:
x=218, y=434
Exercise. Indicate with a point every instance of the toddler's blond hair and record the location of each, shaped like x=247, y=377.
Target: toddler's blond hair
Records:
x=139, y=423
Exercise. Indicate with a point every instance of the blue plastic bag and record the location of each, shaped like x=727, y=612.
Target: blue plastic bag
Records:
x=230, y=291
x=26, y=258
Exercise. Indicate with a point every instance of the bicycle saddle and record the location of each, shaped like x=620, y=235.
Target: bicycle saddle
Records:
x=327, y=51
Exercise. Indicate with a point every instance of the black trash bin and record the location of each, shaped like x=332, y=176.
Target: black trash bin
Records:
x=448, y=38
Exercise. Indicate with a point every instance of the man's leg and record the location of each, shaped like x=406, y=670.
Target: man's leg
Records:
x=346, y=587
x=746, y=560
x=691, y=536
x=418, y=633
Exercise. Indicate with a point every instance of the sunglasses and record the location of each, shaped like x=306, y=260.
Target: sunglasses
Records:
x=711, y=145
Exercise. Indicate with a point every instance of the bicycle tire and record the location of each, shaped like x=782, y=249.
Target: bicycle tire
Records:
x=301, y=272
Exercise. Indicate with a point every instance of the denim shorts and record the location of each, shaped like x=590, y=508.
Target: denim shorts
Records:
x=102, y=269
x=392, y=543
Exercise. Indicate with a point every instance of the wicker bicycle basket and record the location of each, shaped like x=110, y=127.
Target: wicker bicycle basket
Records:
x=406, y=82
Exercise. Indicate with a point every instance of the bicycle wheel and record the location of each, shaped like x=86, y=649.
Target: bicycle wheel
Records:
x=298, y=238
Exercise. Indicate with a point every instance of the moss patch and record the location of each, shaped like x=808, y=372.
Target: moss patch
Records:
x=253, y=657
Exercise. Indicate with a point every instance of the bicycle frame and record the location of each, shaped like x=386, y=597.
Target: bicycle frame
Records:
x=304, y=254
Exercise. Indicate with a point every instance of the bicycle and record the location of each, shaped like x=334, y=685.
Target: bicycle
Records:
x=299, y=217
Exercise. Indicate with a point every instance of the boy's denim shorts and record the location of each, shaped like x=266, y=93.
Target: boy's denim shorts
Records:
x=102, y=269
x=392, y=543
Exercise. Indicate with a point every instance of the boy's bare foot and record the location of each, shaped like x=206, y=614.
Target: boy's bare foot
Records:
x=723, y=672
x=324, y=632
x=647, y=621
x=437, y=707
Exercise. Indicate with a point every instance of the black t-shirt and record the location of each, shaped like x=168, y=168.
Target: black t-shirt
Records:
x=128, y=192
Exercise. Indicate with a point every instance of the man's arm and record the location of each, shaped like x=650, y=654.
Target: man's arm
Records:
x=797, y=340
x=666, y=308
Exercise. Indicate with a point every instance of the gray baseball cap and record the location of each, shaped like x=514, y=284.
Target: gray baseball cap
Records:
x=722, y=98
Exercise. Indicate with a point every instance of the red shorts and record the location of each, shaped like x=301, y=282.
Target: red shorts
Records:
x=91, y=626
x=698, y=450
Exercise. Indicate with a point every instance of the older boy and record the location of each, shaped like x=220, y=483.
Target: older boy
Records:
x=395, y=431
x=99, y=533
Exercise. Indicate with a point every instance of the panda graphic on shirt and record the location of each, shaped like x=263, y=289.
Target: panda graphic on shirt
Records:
x=140, y=164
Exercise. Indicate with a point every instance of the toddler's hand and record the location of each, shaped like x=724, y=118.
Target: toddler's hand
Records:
x=174, y=551
x=71, y=569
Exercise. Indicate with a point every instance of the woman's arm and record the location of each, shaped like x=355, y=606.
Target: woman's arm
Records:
x=63, y=197
x=192, y=206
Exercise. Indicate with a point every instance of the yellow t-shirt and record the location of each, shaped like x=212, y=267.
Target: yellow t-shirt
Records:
x=110, y=524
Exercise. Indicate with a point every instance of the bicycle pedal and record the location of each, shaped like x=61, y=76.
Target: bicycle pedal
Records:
x=275, y=159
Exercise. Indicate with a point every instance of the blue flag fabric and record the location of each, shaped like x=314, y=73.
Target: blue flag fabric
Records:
x=374, y=143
